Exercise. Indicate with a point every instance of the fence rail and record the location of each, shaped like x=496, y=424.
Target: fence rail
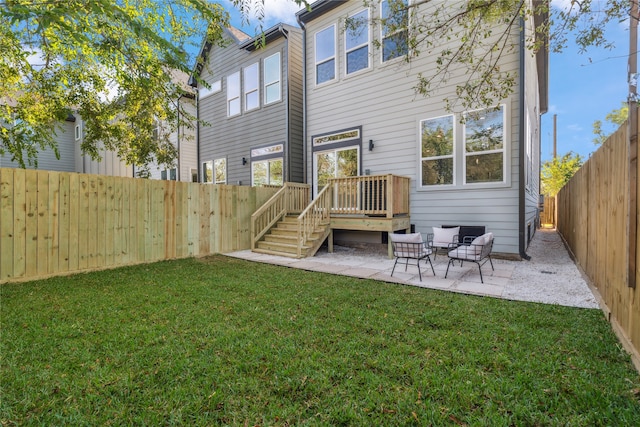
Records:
x=592, y=218
x=55, y=223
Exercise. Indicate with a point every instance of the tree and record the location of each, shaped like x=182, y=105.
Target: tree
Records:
x=558, y=171
x=615, y=117
x=469, y=39
x=112, y=62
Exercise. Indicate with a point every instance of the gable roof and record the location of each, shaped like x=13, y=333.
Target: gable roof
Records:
x=237, y=35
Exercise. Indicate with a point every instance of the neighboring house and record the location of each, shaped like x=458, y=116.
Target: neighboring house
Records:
x=184, y=139
x=252, y=109
x=363, y=117
x=69, y=138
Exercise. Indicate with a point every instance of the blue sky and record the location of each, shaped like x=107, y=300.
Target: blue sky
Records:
x=583, y=87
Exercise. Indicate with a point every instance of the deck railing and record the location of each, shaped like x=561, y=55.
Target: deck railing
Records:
x=292, y=198
x=385, y=195
x=317, y=214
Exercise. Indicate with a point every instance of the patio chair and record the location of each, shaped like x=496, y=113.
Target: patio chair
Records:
x=477, y=250
x=441, y=238
x=410, y=247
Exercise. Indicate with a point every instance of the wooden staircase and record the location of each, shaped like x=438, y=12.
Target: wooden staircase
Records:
x=282, y=239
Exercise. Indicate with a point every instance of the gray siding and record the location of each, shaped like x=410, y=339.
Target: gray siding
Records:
x=295, y=90
x=65, y=138
x=234, y=137
x=382, y=100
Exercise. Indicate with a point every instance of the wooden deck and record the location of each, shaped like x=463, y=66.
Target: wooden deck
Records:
x=363, y=203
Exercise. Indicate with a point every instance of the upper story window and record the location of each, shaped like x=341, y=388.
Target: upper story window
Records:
x=484, y=146
x=394, y=28
x=356, y=40
x=215, y=87
x=325, y=43
x=437, y=150
x=272, y=91
x=251, y=93
x=78, y=131
x=233, y=94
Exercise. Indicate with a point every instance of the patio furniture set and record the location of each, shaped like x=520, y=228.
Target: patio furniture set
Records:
x=462, y=243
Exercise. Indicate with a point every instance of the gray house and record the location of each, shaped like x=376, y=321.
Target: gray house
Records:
x=69, y=138
x=363, y=118
x=251, y=109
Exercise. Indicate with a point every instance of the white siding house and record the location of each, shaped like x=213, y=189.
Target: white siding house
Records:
x=363, y=117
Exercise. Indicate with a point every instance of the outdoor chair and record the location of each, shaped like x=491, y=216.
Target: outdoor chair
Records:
x=410, y=247
x=476, y=250
x=441, y=238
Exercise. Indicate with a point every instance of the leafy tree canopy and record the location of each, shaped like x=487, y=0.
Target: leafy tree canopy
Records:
x=558, y=171
x=112, y=61
x=120, y=65
x=615, y=117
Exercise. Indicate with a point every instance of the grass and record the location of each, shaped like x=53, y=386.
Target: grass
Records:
x=220, y=341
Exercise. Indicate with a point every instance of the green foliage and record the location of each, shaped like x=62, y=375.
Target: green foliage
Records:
x=220, y=341
x=120, y=66
x=557, y=172
x=615, y=117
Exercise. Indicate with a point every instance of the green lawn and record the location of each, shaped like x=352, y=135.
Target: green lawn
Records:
x=220, y=341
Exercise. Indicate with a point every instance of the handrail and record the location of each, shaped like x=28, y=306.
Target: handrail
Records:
x=291, y=198
x=316, y=214
x=386, y=195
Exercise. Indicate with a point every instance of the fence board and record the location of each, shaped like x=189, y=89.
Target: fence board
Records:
x=593, y=214
x=6, y=224
x=57, y=222
x=19, y=224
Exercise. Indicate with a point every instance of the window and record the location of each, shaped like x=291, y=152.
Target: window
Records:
x=251, y=93
x=437, y=150
x=267, y=165
x=78, y=132
x=233, y=94
x=207, y=172
x=220, y=166
x=215, y=88
x=272, y=79
x=394, y=24
x=356, y=39
x=194, y=175
x=484, y=146
x=336, y=155
x=325, y=43
x=172, y=174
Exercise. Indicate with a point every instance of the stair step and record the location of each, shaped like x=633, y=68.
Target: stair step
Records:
x=281, y=247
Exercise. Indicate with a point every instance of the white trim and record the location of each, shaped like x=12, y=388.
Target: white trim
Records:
x=215, y=87
x=328, y=58
x=233, y=96
x=215, y=168
x=367, y=44
x=251, y=75
x=502, y=150
x=382, y=36
x=452, y=156
x=269, y=83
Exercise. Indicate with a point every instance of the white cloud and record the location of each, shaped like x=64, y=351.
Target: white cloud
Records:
x=575, y=128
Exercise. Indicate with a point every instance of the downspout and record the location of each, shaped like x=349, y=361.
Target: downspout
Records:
x=521, y=149
x=287, y=152
x=304, y=100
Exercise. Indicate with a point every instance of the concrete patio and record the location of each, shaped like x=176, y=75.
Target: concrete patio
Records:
x=550, y=277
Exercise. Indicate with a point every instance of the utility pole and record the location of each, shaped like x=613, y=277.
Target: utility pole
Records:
x=555, y=136
x=633, y=145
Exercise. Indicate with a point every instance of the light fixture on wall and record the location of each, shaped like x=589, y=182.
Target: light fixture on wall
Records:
x=371, y=145
x=244, y=161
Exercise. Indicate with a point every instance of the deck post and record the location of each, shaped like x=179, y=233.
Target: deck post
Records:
x=390, y=201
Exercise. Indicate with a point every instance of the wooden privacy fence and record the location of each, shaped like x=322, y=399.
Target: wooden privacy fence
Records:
x=592, y=218
x=55, y=223
x=548, y=214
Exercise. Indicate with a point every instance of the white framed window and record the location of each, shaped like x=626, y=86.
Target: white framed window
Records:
x=437, y=151
x=485, y=146
x=251, y=77
x=194, y=175
x=78, y=132
x=356, y=41
x=215, y=87
x=267, y=165
x=335, y=155
x=272, y=77
x=207, y=172
x=233, y=94
x=220, y=170
x=394, y=26
x=325, y=55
